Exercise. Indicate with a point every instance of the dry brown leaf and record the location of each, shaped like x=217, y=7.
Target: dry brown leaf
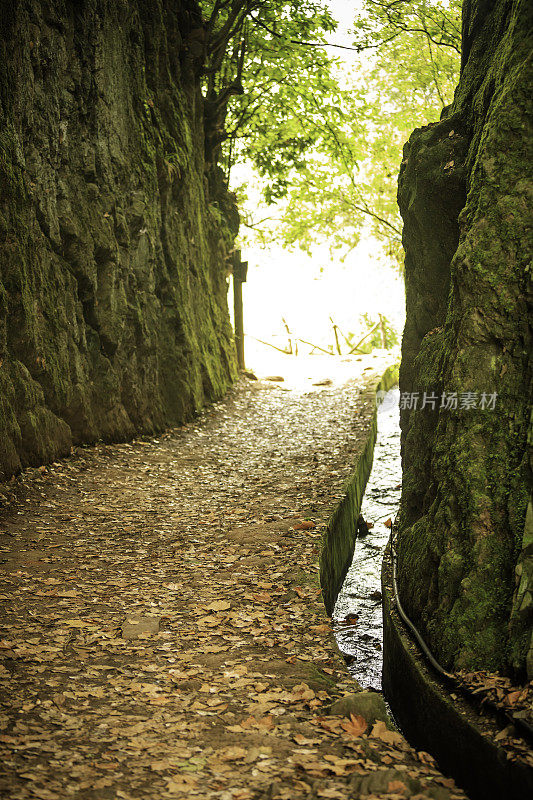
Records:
x=513, y=697
x=262, y=597
x=161, y=765
x=218, y=605
x=266, y=722
x=102, y=783
x=305, y=525
x=397, y=786
x=322, y=628
x=180, y=783
x=316, y=768
x=355, y=726
x=299, y=693
x=231, y=753
x=303, y=740
x=380, y=731
x=331, y=725
x=425, y=758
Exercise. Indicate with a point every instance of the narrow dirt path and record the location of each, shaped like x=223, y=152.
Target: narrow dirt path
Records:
x=163, y=632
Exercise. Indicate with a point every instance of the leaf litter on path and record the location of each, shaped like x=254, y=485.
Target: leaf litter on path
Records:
x=163, y=630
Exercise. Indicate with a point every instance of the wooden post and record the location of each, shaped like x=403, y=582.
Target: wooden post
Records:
x=336, y=337
x=239, y=322
x=383, y=334
x=289, y=334
x=239, y=277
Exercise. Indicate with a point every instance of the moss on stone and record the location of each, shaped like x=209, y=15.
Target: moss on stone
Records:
x=468, y=247
x=113, y=307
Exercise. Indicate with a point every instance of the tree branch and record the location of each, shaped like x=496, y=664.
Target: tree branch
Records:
x=301, y=41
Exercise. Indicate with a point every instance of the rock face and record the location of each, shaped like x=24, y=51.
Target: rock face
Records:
x=113, y=236
x=465, y=192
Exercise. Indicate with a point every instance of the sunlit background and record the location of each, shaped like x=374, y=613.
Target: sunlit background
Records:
x=323, y=301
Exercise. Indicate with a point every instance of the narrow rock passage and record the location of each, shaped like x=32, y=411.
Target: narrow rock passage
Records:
x=163, y=632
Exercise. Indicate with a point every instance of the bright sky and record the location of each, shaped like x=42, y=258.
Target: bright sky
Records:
x=343, y=11
x=307, y=291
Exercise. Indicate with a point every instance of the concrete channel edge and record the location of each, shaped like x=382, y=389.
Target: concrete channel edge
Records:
x=460, y=739
x=338, y=541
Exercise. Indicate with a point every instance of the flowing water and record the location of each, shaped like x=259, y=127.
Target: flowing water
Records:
x=357, y=617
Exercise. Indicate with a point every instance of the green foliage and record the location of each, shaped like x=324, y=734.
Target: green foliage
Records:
x=267, y=58
x=409, y=75
x=382, y=22
x=325, y=138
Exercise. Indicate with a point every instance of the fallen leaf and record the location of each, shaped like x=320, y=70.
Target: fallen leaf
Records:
x=303, y=740
x=305, y=525
x=380, y=731
x=512, y=697
x=181, y=783
x=161, y=766
x=218, y=605
x=231, y=753
x=425, y=758
x=397, y=786
x=262, y=597
x=355, y=726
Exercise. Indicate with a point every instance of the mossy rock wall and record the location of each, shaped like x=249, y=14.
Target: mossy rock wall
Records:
x=113, y=235
x=465, y=191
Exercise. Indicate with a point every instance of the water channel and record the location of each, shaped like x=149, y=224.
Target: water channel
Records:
x=357, y=616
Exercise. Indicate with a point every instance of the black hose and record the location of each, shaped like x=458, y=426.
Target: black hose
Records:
x=503, y=717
